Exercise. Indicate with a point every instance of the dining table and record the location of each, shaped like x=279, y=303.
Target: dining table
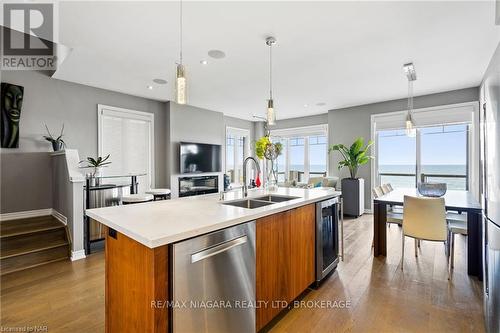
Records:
x=455, y=200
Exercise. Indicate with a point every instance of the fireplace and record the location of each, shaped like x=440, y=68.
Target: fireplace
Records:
x=189, y=186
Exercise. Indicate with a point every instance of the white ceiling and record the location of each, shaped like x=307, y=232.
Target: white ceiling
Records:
x=339, y=53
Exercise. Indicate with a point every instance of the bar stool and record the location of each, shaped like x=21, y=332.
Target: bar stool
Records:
x=136, y=198
x=159, y=193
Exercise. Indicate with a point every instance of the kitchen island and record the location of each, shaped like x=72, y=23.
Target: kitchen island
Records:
x=143, y=271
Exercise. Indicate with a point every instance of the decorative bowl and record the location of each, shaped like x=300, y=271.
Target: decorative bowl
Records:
x=432, y=189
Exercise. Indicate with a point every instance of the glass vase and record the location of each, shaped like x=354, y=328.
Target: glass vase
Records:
x=271, y=175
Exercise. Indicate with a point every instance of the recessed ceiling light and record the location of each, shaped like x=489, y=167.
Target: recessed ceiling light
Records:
x=159, y=81
x=150, y=87
x=321, y=104
x=306, y=105
x=203, y=62
x=216, y=54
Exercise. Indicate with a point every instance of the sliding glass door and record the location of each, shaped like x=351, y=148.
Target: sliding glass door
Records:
x=436, y=154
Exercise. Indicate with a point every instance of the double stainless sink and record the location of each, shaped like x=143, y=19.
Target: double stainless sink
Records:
x=258, y=202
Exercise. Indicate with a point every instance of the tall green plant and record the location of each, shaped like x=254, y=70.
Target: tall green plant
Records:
x=354, y=156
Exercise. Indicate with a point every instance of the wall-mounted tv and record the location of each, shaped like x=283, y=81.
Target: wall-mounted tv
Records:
x=199, y=157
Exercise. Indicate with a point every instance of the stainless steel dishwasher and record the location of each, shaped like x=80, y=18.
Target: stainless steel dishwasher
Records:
x=214, y=282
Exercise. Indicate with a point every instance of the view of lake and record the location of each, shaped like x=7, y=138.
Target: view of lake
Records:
x=437, y=169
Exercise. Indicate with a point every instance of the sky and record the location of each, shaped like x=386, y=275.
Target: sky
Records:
x=437, y=148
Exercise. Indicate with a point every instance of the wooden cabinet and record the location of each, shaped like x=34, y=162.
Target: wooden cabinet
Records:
x=302, y=236
x=136, y=286
x=271, y=257
x=285, y=259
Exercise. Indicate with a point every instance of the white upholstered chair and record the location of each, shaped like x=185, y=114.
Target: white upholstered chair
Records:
x=424, y=219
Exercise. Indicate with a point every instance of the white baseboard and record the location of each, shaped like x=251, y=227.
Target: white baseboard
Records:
x=25, y=214
x=60, y=217
x=34, y=213
x=77, y=255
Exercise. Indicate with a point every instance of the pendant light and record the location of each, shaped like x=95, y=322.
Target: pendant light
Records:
x=271, y=115
x=411, y=75
x=180, y=78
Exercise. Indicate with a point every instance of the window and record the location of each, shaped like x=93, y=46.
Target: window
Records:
x=305, y=152
x=237, y=149
x=318, y=145
x=127, y=136
x=436, y=153
x=396, y=158
x=443, y=149
x=444, y=155
x=297, y=161
x=282, y=166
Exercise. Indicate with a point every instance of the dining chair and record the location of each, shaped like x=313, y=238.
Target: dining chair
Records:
x=424, y=219
x=385, y=188
x=455, y=227
x=394, y=217
x=377, y=192
x=394, y=208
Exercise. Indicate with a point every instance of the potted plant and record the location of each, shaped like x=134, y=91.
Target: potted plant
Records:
x=353, y=188
x=57, y=143
x=266, y=149
x=97, y=164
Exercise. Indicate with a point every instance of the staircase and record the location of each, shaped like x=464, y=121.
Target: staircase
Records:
x=31, y=242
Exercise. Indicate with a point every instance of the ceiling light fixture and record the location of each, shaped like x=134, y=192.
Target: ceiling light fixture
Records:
x=150, y=87
x=271, y=115
x=180, y=78
x=159, y=81
x=411, y=75
x=216, y=54
x=204, y=62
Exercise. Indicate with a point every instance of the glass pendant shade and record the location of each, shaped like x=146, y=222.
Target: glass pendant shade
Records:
x=180, y=85
x=271, y=116
x=410, y=130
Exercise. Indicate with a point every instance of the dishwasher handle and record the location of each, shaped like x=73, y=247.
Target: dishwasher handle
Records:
x=219, y=248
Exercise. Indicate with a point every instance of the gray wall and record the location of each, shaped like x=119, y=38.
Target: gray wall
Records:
x=26, y=182
x=191, y=124
x=54, y=102
x=241, y=123
x=345, y=125
x=319, y=119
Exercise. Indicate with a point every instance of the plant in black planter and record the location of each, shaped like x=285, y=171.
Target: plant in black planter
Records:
x=57, y=143
x=353, y=188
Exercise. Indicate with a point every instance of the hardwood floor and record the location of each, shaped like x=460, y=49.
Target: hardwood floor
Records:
x=69, y=296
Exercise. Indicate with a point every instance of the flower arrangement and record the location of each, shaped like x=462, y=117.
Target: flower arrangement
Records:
x=266, y=149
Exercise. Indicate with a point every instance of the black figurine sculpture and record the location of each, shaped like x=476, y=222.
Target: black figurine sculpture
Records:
x=12, y=101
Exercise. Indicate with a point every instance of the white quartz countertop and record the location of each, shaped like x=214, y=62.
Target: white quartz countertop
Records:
x=163, y=222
